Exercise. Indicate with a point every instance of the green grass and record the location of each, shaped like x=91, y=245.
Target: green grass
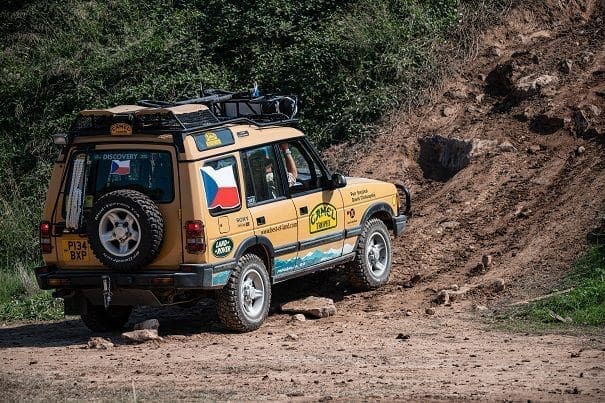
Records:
x=584, y=304
x=20, y=298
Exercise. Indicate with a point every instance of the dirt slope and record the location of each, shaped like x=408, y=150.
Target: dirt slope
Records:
x=538, y=173
x=515, y=185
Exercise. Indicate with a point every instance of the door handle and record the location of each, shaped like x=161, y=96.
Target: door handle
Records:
x=304, y=210
x=260, y=220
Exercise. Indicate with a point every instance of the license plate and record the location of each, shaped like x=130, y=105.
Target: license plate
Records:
x=76, y=251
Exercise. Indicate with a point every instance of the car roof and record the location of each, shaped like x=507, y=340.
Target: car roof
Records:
x=245, y=132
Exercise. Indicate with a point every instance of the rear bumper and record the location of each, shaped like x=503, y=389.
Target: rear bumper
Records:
x=188, y=276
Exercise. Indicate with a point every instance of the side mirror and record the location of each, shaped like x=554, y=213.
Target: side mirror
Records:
x=338, y=181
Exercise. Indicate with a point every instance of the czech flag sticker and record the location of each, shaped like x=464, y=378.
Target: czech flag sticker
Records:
x=221, y=187
x=120, y=167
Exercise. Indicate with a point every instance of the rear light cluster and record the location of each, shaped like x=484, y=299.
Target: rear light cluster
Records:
x=195, y=237
x=45, y=244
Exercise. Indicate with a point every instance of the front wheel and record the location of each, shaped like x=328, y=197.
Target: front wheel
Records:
x=372, y=265
x=243, y=304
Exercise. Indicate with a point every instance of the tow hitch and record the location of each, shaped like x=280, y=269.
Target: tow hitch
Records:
x=106, y=291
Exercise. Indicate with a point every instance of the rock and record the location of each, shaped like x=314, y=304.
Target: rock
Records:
x=480, y=308
x=457, y=94
x=497, y=285
x=409, y=313
x=412, y=281
x=152, y=324
x=581, y=122
x=442, y=298
x=486, y=260
x=477, y=270
x=506, y=147
x=522, y=212
x=449, y=224
x=99, y=343
x=291, y=337
x=457, y=294
x=141, y=336
x=534, y=149
x=479, y=98
x=429, y=311
x=565, y=66
x=454, y=287
x=531, y=85
x=546, y=124
x=495, y=51
x=299, y=317
x=402, y=336
x=527, y=39
x=448, y=111
x=580, y=150
x=315, y=307
x=595, y=110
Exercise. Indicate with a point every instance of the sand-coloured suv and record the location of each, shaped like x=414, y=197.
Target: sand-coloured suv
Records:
x=159, y=204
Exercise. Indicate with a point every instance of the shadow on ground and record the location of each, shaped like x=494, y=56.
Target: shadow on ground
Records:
x=174, y=320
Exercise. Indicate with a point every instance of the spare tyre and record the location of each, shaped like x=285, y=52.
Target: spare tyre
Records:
x=125, y=230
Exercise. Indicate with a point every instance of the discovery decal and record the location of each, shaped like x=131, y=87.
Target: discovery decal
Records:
x=322, y=217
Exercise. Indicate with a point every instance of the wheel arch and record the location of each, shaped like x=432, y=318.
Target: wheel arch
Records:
x=260, y=246
x=380, y=210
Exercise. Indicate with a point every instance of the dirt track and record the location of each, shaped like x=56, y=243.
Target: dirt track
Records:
x=355, y=355
x=529, y=207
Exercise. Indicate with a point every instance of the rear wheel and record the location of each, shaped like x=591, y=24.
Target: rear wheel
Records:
x=372, y=265
x=243, y=304
x=99, y=319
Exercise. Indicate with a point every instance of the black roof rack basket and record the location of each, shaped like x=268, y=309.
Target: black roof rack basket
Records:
x=231, y=106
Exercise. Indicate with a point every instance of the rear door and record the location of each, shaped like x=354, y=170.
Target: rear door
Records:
x=97, y=170
x=229, y=223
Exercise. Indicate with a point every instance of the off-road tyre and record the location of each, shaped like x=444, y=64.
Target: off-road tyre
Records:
x=360, y=271
x=230, y=301
x=150, y=223
x=97, y=319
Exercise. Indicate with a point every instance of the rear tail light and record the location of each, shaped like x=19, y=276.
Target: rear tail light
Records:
x=45, y=244
x=195, y=237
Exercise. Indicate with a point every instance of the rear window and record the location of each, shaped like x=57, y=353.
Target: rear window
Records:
x=149, y=172
x=94, y=173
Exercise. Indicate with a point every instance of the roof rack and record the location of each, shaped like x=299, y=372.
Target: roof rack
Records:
x=225, y=105
x=215, y=108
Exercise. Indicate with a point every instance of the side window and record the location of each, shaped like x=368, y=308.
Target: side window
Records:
x=221, y=185
x=261, y=173
x=308, y=173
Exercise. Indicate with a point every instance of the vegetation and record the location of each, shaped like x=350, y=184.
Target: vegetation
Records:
x=583, y=305
x=350, y=61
